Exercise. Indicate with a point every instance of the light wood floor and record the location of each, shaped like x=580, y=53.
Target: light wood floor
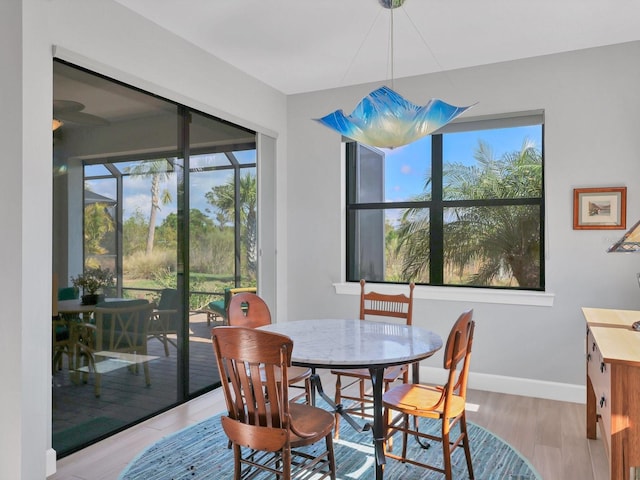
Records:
x=550, y=434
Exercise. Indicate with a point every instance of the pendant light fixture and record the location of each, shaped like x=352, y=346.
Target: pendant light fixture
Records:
x=384, y=118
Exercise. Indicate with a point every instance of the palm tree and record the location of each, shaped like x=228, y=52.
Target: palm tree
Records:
x=500, y=239
x=158, y=171
x=223, y=197
x=97, y=224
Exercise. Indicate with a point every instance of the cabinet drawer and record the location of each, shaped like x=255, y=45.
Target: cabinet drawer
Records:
x=600, y=375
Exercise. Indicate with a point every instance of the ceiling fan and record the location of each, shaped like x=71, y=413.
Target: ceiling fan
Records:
x=70, y=111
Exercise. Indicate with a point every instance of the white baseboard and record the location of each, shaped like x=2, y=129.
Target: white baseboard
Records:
x=514, y=385
x=51, y=462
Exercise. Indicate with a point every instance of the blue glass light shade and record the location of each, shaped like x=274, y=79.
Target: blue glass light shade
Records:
x=385, y=119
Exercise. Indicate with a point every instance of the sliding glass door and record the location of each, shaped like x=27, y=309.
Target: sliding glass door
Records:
x=164, y=198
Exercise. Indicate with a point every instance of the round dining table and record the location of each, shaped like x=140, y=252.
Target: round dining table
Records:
x=353, y=343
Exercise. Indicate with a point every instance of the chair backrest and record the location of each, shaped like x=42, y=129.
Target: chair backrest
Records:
x=68, y=293
x=230, y=292
x=457, y=350
x=122, y=326
x=248, y=310
x=256, y=363
x=169, y=299
x=386, y=305
x=169, y=305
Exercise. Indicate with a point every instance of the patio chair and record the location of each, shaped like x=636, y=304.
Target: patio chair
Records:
x=218, y=308
x=117, y=339
x=165, y=319
x=60, y=330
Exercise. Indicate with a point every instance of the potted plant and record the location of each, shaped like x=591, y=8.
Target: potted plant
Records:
x=91, y=281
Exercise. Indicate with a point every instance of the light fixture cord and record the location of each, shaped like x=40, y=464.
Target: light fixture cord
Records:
x=429, y=50
x=391, y=43
x=361, y=45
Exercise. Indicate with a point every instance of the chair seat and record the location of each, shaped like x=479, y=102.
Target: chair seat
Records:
x=218, y=307
x=421, y=400
x=308, y=419
x=391, y=374
x=298, y=374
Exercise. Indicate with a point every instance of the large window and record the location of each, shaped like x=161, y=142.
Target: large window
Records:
x=464, y=207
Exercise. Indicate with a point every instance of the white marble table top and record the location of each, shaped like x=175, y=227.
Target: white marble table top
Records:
x=353, y=343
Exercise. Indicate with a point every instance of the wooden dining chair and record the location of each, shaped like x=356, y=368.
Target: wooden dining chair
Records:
x=264, y=428
x=372, y=304
x=445, y=403
x=247, y=309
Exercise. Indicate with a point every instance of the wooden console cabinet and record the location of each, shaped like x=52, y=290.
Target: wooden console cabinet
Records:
x=613, y=386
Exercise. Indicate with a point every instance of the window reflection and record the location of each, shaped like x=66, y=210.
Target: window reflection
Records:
x=164, y=216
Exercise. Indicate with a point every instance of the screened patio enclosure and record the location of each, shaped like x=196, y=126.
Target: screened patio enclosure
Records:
x=166, y=198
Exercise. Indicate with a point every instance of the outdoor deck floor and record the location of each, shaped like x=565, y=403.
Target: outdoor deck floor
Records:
x=78, y=416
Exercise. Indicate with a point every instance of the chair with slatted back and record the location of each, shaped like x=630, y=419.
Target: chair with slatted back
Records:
x=445, y=403
x=249, y=310
x=265, y=429
x=372, y=304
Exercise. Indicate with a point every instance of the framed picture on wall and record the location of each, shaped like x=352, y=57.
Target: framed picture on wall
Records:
x=600, y=208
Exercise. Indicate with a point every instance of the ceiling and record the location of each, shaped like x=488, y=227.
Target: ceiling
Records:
x=299, y=46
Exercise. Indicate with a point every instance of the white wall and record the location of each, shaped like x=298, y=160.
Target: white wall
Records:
x=591, y=100
x=103, y=36
x=11, y=344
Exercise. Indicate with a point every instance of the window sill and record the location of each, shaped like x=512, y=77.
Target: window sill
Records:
x=476, y=295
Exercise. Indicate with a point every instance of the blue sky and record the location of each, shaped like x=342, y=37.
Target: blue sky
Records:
x=136, y=189
x=406, y=167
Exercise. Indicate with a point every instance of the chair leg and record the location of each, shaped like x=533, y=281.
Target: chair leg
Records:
x=237, y=466
x=405, y=436
x=307, y=390
x=446, y=449
x=388, y=414
x=362, y=392
x=147, y=377
x=286, y=463
x=465, y=444
x=97, y=386
x=166, y=344
x=337, y=400
x=331, y=457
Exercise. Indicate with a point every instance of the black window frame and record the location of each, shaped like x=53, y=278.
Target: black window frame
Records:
x=438, y=204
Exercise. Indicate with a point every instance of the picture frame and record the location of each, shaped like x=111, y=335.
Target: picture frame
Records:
x=600, y=208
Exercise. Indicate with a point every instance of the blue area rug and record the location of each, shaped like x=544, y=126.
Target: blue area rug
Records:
x=200, y=452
